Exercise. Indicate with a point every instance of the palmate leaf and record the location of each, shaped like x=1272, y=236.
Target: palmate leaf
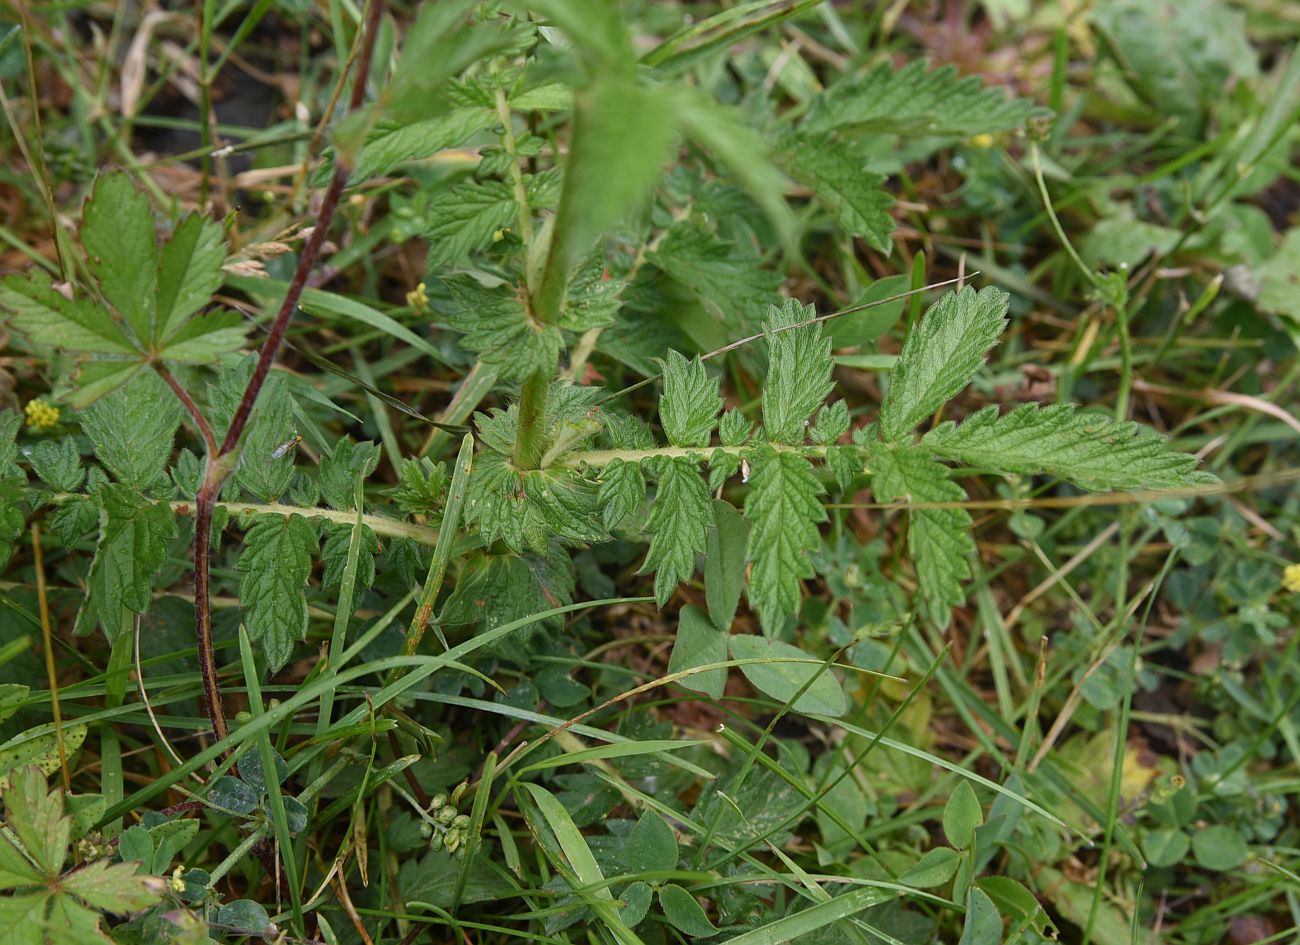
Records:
x=939, y=540
x=941, y=355
x=678, y=524
x=783, y=508
x=916, y=101
x=274, y=567
x=41, y=312
x=1091, y=450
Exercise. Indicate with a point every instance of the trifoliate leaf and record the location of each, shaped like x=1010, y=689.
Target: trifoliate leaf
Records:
x=57, y=463
x=677, y=525
x=134, y=429
x=118, y=233
x=727, y=279
x=189, y=272
x=837, y=172
x=832, y=423
x=527, y=509
x=915, y=101
x=939, y=539
x=622, y=490
x=1091, y=450
x=690, y=403
x=464, y=218
x=40, y=312
x=133, y=536
x=340, y=471
x=799, y=371
x=783, y=508
x=498, y=328
x=941, y=355
x=274, y=567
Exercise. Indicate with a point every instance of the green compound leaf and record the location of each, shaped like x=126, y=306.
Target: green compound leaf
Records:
x=497, y=327
x=465, y=219
x=117, y=231
x=527, y=509
x=677, y=525
x=940, y=357
x=1089, y=449
x=622, y=490
x=798, y=374
x=690, y=403
x=189, y=272
x=837, y=172
x=133, y=536
x=939, y=539
x=40, y=312
x=783, y=508
x=916, y=101
x=274, y=567
x=134, y=428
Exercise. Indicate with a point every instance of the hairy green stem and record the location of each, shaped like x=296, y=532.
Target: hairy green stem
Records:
x=530, y=442
x=598, y=458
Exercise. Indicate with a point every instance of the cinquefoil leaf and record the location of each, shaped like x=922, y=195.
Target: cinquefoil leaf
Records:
x=1091, y=450
x=941, y=355
x=118, y=233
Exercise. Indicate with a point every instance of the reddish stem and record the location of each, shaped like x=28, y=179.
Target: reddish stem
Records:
x=221, y=461
x=196, y=415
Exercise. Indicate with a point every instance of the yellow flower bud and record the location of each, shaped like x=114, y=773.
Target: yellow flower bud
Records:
x=1291, y=578
x=41, y=416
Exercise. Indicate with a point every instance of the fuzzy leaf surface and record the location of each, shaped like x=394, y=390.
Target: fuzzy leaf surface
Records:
x=118, y=233
x=678, y=524
x=133, y=536
x=465, y=217
x=914, y=100
x=525, y=510
x=496, y=326
x=939, y=540
x=784, y=509
x=189, y=272
x=799, y=371
x=40, y=312
x=691, y=403
x=274, y=567
x=1091, y=450
x=837, y=173
x=134, y=429
x=941, y=355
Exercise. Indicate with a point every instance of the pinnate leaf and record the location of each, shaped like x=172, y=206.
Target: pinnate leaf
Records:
x=677, y=525
x=916, y=101
x=1089, y=449
x=133, y=536
x=939, y=539
x=274, y=567
x=690, y=404
x=837, y=173
x=799, y=371
x=134, y=429
x=783, y=508
x=941, y=355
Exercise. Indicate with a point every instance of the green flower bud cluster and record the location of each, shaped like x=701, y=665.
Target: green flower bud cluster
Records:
x=444, y=825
